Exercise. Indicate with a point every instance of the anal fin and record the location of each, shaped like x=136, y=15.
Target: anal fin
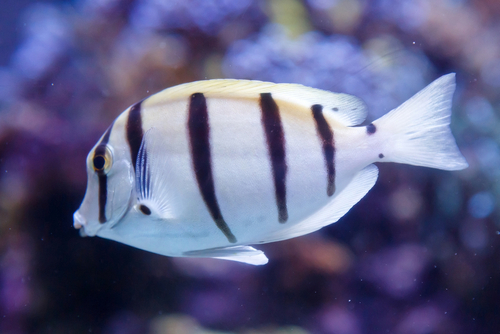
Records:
x=245, y=254
x=361, y=183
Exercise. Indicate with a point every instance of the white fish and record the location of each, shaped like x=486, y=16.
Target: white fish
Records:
x=207, y=168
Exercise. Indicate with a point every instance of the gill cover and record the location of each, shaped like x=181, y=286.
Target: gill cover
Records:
x=110, y=185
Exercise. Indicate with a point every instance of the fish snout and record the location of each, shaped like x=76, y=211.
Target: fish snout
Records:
x=78, y=221
x=86, y=228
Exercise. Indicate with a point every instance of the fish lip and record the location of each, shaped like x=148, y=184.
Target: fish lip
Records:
x=80, y=224
x=78, y=221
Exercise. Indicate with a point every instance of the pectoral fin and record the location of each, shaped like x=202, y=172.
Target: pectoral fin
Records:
x=151, y=181
x=245, y=254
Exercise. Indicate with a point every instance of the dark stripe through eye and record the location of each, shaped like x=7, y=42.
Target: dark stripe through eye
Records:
x=326, y=135
x=99, y=162
x=271, y=121
x=99, y=154
x=199, y=138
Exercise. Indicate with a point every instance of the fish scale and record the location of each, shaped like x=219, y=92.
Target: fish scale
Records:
x=208, y=168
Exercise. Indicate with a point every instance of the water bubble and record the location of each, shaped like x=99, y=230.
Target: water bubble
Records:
x=474, y=234
x=481, y=205
x=480, y=113
x=490, y=73
x=487, y=153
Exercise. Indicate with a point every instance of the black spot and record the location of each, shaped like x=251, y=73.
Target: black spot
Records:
x=99, y=162
x=145, y=210
x=380, y=155
x=371, y=129
x=335, y=109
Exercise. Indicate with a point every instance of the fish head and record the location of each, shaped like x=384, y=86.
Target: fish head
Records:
x=110, y=187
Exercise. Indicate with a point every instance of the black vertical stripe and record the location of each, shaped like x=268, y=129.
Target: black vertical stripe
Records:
x=326, y=135
x=103, y=179
x=103, y=196
x=271, y=121
x=134, y=131
x=199, y=137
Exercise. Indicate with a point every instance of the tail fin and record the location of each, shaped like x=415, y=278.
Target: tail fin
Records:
x=418, y=132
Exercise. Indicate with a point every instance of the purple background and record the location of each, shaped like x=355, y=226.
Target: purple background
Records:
x=419, y=254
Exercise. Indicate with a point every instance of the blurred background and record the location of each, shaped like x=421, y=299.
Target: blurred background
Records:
x=419, y=254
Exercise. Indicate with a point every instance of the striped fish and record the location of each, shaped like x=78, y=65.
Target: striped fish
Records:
x=206, y=169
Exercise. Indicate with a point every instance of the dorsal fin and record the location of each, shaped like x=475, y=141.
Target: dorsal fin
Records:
x=346, y=109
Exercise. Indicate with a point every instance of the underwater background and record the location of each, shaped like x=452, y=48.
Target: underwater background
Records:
x=419, y=254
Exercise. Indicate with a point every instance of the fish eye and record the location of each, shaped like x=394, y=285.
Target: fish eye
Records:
x=99, y=162
x=102, y=159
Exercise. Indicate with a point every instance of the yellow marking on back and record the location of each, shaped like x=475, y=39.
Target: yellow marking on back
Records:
x=351, y=110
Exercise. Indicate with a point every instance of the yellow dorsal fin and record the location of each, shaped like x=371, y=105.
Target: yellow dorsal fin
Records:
x=346, y=109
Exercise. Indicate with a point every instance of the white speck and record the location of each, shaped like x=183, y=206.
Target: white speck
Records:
x=413, y=43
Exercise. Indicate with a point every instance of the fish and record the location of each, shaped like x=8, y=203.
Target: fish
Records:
x=210, y=168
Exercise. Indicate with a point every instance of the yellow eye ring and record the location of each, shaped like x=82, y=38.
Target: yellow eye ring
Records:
x=102, y=160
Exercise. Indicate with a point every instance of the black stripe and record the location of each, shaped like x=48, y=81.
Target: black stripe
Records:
x=103, y=196
x=273, y=128
x=199, y=137
x=326, y=135
x=103, y=179
x=134, y=131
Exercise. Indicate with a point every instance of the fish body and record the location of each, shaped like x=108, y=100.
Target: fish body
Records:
x=206, y=169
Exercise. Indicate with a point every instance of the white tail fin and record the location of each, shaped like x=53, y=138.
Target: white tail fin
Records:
x=418, y=132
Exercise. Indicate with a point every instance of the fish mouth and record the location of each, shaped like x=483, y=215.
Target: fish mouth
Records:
x=80, y=224
x=78, y=221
